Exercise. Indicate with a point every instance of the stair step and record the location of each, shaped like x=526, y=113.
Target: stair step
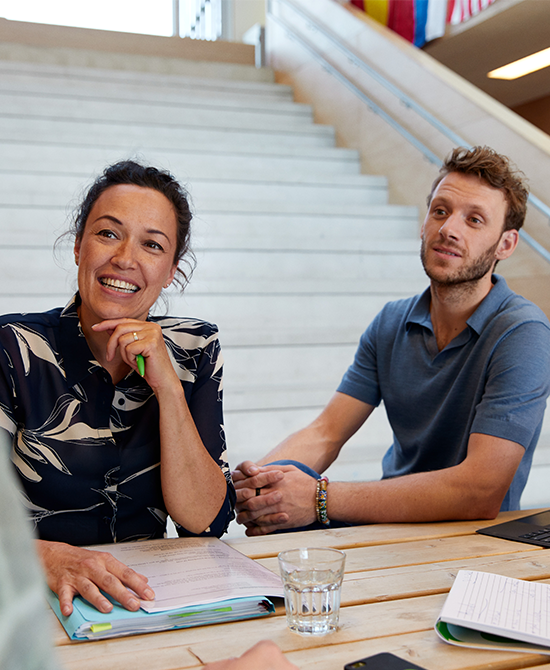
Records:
x=218, y=195
x=299, y=242
x=75, y=76
x=287, y=269
x=279, y=319
x=243, y=320
x=377, y=228
x=238, y=272
x=136, y=137
x=172, y=93
x=291, y=365
x=253, y=435
x=279, y=396
x=172, y=116
x=191, y=164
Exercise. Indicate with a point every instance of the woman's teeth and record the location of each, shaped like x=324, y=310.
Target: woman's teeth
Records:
x=119, y=285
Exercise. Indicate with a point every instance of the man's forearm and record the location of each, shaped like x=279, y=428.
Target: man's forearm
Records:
x=308, y=446
x=464, y=491
x=402, y=500
x=319, y=443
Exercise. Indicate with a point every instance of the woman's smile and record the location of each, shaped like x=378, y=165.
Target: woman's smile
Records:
x=118, y=285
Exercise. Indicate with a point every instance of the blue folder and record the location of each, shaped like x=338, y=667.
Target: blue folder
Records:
x=87, y=623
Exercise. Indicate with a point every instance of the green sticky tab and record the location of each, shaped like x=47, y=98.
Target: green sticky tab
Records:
x=184, y=614
x=100, y=627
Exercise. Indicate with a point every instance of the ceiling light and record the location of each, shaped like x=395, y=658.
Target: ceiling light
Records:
x=523, y=66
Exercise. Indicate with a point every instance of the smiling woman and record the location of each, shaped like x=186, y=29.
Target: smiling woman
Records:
x=105, y=453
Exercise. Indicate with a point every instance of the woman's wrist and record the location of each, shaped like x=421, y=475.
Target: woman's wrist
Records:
x=169, y=390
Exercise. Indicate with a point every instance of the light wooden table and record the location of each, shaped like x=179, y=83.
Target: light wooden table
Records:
x=397, y=578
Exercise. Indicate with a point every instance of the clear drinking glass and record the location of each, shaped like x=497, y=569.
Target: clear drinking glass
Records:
x=312, y=579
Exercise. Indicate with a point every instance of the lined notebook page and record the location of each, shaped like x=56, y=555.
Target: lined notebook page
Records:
x=493, y=603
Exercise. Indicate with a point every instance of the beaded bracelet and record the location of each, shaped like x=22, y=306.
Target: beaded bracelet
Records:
x=321, y=501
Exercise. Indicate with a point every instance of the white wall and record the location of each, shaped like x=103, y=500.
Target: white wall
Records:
x=240, y=16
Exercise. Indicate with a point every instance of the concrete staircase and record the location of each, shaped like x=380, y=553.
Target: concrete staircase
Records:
x=296, y=249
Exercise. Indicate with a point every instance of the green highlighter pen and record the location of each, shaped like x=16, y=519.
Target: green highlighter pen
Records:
x=140, y=365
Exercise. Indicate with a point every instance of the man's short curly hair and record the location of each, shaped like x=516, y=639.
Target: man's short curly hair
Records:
x=497, y=171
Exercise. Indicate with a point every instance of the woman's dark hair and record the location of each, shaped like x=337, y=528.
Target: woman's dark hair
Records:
x=131, y=172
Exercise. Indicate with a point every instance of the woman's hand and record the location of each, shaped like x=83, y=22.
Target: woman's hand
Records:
x=265, y=655
x=72, y=571
x=130, y=337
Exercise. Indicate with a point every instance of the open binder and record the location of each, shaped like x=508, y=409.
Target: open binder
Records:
x=197, y=581
x=491, y=611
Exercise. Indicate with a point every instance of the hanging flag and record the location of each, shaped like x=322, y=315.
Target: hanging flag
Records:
x=378, y=9
x=462, y=10
x=437, y=18
x=420, y=21
x=401, y=18
x=420, y=18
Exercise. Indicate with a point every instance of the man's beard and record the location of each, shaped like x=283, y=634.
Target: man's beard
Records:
x=470, y=273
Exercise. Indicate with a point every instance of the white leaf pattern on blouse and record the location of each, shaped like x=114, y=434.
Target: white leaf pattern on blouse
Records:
x=29, y=340
x=32, y=447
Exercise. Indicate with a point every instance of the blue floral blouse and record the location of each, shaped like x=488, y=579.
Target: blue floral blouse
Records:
x=87, y=451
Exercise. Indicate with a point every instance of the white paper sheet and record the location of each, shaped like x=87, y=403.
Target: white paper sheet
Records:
x=500, y=605
x=189, y=571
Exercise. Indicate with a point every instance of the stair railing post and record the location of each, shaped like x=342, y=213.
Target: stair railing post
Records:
x=175, y=18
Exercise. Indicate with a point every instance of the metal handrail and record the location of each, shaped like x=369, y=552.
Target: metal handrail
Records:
x=403, y=97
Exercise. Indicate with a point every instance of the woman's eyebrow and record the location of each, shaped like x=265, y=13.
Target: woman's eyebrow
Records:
x=154, y=231
x=108, y=216
x=150, y=231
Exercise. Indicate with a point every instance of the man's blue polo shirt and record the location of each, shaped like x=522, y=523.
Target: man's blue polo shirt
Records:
x=493, y=378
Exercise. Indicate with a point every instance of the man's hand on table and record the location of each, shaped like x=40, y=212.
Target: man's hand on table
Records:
x=273, y=497
x=72, y=571
x=264, y=655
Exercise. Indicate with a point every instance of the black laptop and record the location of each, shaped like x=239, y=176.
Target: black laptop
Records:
x=533, y=529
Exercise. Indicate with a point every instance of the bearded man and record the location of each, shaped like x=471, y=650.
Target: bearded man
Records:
x=463, y=370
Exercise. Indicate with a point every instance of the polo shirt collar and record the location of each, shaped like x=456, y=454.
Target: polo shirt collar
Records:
x=489, y=305
x=78, y=359
x=420, y=312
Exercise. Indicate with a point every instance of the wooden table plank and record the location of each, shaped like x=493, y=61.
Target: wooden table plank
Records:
x=416, y=580
x=365, y=536
x=163, y=658
x=425, y=649
x=422, y=552
x=356, y=623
